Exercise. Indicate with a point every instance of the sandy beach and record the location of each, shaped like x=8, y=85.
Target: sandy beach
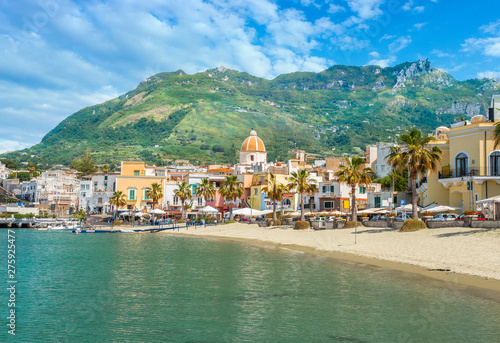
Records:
x=462, y=256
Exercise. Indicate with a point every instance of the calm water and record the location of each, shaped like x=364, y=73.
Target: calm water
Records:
x=158, y=288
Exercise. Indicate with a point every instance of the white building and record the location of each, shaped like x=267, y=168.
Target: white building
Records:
x=95, y=193
x=382, y=168
x=4, y=172
x=253, y=156
x=59, y=187
x=28, y=189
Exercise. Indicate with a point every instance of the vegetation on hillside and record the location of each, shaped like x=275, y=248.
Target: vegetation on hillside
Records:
x=204, y=117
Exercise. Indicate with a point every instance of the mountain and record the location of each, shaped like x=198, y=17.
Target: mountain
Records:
x=204, y=117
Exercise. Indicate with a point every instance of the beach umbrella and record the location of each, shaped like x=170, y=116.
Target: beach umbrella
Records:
x=156, y=211
x=208, y=209
x=441, y=208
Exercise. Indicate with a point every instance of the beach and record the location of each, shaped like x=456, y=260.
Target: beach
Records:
x=457, y=256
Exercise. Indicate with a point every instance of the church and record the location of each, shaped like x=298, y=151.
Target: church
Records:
x=253, y=155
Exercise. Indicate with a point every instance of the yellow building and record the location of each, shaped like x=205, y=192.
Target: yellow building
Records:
x=470, y=167
x=136, y=179
x=258, y=200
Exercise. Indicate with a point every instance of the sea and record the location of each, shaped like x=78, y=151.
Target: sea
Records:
x=165, y=288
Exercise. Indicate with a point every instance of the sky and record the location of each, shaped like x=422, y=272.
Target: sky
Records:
x=58, y=56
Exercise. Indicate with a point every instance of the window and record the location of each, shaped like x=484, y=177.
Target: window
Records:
x=495, y=164
x=255, y=191
x=377, y=201
x=331, y=188
x=146, y=190
x=176, y=200
x=136, y=173
x=105, y=185
x=95, y=185
x=362, y=190
x=329, y=205
x=342, y=163
x=114, y=186
x=131, y=194
x=105, y=178
x=252, y=158
x=476, y=197
x=461, y=163
x=324, y=189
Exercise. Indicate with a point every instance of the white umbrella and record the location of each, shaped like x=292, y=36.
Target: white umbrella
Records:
x=247, y=212
x=408, y=207
x=208, y=209
x=156, y=211
x=441, y=208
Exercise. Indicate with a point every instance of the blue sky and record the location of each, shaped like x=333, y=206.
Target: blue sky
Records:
x=58, y=56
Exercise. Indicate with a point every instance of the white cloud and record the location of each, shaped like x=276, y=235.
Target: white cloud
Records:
x=386, y=37
x=440, y=53
x=399, y=44
x=333, y=8
x=7, y=146
x=489, y=74
x=384, y=63
x=374, y=54
x=418, y=9
x=366, y=9
x=493, y=28
x=488, y=46
x=408, y=6
x=418, y=26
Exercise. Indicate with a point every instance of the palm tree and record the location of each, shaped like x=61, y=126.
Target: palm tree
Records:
x=300, y=180
x=275, y=191
x=105, y=169
x=496, y=135
x=118, y=199
x=155, y=193
x=415, y=154
x=231, y=190
x=206, y=189
x=355, y=173
x=183, y=193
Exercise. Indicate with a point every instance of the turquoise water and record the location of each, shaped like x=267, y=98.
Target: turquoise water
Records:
x=160, y=288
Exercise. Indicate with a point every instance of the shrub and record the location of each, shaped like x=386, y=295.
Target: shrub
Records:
x=180, y=221
x=299, y=225
x=273, y=222
x=412, y=225
x=229, y=222
x=350, y=224
x=427, y=214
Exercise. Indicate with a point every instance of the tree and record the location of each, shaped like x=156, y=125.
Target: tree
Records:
x=355, y=174
x=183, y=193
x=415, y=154
x=9, y=163
x=32, y=168
x=22, y=176
x=85, y=166
x=206, y=189
x=496, y=134
x=80, y=215
x=117, y=200
x=105, y=169
x=275, y=191
x=300, y=180
x=231, y=190
x=155, y=193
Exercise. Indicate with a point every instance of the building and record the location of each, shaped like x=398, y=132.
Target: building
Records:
x=4, y=172
x=96, y=193
x=382, y=168
x=253, y=155
x=136, y=179
x=470, y=166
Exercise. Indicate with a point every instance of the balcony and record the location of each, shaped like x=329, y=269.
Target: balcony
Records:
x=328, y=194
x=459, y=173
x=448, y=177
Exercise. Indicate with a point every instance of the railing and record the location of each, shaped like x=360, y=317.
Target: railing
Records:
x=278, y=207
x=465, y=172
x=328, y=194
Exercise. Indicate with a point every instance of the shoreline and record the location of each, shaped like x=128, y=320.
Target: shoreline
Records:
x=470, y=283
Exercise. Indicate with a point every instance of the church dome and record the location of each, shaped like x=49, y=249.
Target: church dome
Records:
x=253, y=143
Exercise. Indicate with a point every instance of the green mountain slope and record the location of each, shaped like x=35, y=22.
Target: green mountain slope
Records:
x=204, y=117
